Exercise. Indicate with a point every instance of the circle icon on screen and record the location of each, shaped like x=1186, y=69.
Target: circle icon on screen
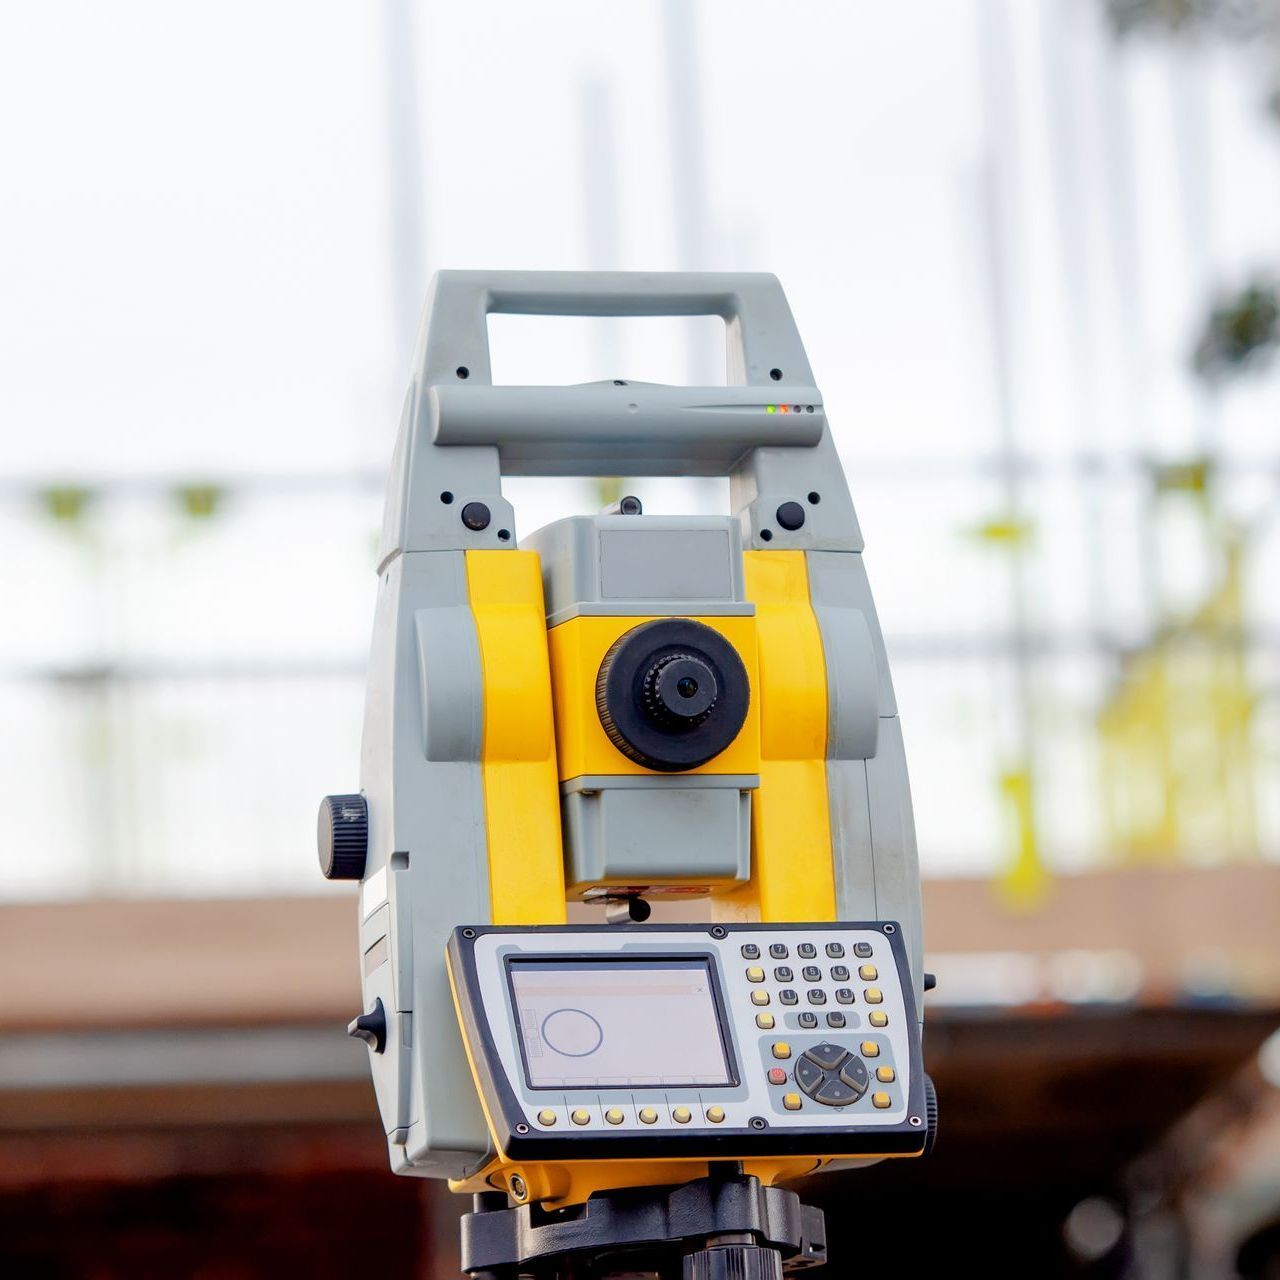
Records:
x=572, y=1033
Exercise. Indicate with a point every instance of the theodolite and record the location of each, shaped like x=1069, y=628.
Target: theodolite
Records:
x=639, y=909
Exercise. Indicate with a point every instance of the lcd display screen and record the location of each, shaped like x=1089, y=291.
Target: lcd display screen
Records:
x=635, y=1024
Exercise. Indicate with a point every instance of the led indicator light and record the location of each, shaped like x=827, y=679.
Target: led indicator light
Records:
x=771, y=408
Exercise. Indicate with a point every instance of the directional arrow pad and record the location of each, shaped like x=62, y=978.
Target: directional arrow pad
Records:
x=828, y=1056
x=809, y=1076
x=854, y=1074
x=835, y=1093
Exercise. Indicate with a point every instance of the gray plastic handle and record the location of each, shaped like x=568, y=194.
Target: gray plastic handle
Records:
x=762, y=334
x=461, y=434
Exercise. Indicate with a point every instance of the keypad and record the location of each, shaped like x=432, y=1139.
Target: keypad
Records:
x=827, y=1074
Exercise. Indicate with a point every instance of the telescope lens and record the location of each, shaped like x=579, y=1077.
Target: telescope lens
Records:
x=671, y=694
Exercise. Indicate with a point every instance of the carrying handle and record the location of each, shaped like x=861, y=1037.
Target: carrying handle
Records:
x=763, y=343
x=767, y=430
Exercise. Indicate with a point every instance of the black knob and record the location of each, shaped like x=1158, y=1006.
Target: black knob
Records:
x=734, y=1262
x=371, y=1028
x=931, y=1114
x=342, y=837
x=672, y=694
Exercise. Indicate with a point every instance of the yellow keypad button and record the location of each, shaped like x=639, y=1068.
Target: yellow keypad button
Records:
x=791, y=1101
x=781, y=1049
x=581, y=1116
x=614, y=1115
x=755, y=974
x=764, y=1021
x=546, y=1117
x=878, y=1018
x=881, y=1101
x=873, y=995
x=886, y=1075
x=648, y=1115
x=759, y=997
x=868, y=972
x=682, y=1115
x=715, y=1115
x=870, y=1049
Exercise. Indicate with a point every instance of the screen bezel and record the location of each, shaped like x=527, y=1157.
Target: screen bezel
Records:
x=594, y=960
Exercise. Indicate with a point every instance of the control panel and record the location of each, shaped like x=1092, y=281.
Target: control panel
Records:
x=716, y=1041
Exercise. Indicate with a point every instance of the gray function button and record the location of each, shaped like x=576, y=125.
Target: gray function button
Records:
x=817, y=996
x=811, y=973
x=787, y=996
x=862, y=950
x=854, y=1074
x=835, y=1019
x=835, y=1093
x=809, y=1076
x=750, y=951
x=806, y=951
x=835, y=950
x=826, y=1055
x=783, y=973
x=807, y=1020
x=844, y=995
x=778, y=950
x=839, y=973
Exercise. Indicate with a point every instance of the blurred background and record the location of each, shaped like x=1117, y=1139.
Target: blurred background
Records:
x=1032, y=249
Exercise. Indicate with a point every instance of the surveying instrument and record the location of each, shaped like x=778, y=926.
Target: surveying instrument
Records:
x=639, y=909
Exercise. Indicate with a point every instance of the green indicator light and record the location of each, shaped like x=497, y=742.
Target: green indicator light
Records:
x=771, y=408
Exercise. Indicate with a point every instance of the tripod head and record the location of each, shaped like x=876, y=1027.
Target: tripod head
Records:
x=614, y=713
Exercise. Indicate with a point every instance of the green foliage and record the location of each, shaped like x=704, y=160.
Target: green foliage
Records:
x=1240, y=333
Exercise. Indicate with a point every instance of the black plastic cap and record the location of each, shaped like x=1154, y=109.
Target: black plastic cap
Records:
x=476, y=516
x=790, y=515
x=342, y=837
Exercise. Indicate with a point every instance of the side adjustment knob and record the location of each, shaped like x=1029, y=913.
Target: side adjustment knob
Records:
x=342, y=837
x=371, y=1028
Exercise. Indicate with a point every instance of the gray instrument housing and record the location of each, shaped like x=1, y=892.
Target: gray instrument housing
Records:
x=427, y=862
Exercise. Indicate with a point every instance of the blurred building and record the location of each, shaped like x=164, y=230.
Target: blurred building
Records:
x=1031, y=250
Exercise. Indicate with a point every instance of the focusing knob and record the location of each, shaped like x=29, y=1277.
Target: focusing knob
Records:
x=672, y=694
x=342, y=837
x=679, y=690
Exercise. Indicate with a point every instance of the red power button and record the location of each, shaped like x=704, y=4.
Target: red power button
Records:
x=777, y=1075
